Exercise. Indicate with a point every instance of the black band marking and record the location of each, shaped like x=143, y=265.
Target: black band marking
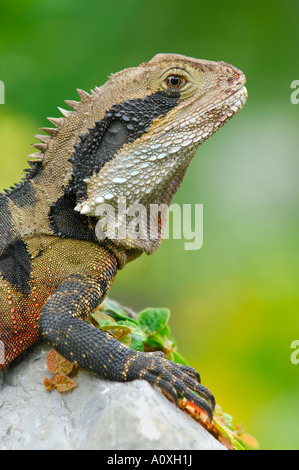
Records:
x=23, y=194
x=65, y=222
x=7, y=233
x=15, y=265
x=122, y=124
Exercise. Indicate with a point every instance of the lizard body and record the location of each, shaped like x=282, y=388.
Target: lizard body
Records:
x=132, y=138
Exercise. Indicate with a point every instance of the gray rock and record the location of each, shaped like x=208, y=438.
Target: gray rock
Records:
x=97, y=414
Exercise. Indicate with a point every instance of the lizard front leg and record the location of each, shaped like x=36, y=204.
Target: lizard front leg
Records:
x=61, y=326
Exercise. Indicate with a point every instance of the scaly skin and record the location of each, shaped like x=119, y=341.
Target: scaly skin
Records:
x=132, y=139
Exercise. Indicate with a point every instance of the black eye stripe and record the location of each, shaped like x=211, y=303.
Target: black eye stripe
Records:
x=122, y=124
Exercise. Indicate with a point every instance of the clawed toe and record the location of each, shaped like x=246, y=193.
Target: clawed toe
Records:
x=179, y=380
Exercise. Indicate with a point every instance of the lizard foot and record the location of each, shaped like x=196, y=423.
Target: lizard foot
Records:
x=172, y=378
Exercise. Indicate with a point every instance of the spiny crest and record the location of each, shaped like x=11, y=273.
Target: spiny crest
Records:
x=53, y=131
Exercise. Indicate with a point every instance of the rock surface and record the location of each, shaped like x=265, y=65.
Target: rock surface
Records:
x=97, y=414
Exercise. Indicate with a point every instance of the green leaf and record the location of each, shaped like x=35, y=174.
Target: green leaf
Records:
x=114, y=326
x=165, y=332
x=178, y=358
x=137, y=335
x=153, y=320
x=128, y=322
x=160, y=341
x=156, y=343
x=124, y=338
x=118, y=330
x=228, y=420
x=137, y=340
x=113, y=308
x=102, y=318
x=227, y=433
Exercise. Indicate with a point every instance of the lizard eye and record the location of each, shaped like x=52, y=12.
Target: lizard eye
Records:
x=175, y=82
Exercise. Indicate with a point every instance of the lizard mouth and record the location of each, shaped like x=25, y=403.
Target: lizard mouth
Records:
x=237, y=100
x=230, y=105
x=221, y=112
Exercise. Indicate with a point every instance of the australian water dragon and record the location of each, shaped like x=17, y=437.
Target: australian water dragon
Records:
x=133, y=138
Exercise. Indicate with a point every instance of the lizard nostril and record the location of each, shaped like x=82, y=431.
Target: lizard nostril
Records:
x=231, y=79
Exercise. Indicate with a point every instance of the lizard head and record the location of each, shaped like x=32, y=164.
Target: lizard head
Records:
x=135, y=136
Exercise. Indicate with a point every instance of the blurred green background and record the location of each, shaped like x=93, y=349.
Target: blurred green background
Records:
x=234, y=302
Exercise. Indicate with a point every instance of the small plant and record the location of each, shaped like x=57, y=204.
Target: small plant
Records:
x=148, y=331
